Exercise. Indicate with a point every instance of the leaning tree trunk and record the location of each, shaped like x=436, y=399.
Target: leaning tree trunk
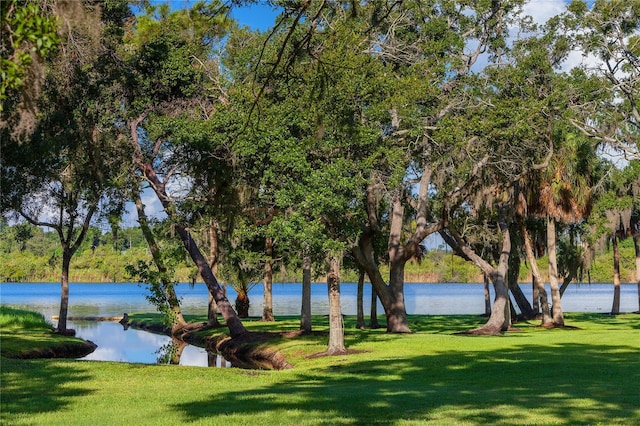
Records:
x=212, y=309
x=305, y=314
x=267, y=306
x=235, y=326
x=615, y=309
x=359, y=301
x=177, y=320
x=538, y=282
x=499, y=320
x=513, y=274
x=556, y=307
x=336, y=326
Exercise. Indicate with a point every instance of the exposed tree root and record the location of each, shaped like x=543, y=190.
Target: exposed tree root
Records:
x=247, y=350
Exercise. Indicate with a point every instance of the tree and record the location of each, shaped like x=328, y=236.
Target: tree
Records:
x=28, y=35
x=608, y=31
x=67, y=170
x=432, y=51
x=500, y=318
x=167, y=63
x=612, y=220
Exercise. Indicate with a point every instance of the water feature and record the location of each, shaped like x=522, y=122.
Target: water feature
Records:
x=116, y=344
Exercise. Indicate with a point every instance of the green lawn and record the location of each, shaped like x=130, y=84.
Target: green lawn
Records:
x=589, y=375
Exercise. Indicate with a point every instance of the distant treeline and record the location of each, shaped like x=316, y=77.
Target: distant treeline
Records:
x=29, y=254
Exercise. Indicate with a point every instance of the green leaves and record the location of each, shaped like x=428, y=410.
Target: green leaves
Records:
x=26, y=30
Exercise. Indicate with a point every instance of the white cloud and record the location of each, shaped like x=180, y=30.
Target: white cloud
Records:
x=542, y=10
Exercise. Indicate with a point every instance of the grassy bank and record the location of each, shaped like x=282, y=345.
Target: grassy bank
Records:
x=27, y=334
x=588, y=375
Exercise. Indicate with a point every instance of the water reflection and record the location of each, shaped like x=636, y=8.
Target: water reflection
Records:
x=137, y=346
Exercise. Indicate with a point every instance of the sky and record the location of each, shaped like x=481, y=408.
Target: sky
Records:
x=258, y=17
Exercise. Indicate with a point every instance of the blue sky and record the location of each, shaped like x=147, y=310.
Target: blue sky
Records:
x=258, y=16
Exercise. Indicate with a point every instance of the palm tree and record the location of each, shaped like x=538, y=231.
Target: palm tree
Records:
x=562, y=193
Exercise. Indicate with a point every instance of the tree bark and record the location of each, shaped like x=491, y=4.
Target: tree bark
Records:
x=242, y=304
x=513, y=274
x=359, y=301
x=336, y=326
x=397, y=319
x=487, y=296
x=364, y=256
x=173, y=302
x=267, y=307
x=615, y=308
x=305, y=314
x=212, y=309
x=373, y=318
x=68, y=250
x=64, y=291
x=499, y=320
x=556, y=307
x=539, y=292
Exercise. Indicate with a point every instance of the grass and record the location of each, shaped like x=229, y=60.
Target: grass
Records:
x=26, y=332
x=588, y=375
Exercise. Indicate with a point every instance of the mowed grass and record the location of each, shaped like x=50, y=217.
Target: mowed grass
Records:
x=589, y=375
x=25, y=331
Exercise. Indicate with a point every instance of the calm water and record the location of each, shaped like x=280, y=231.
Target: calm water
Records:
x=116, y=344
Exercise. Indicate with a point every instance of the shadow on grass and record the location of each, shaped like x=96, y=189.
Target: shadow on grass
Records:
x=38, y=386
x=566, y=383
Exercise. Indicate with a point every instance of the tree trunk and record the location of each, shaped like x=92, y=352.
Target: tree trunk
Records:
x=566, y=281
x=336, y=326
x=305, y=314
x=359, y=301
x=212, y=309
x=487, y=296
x=231, y=318
x=522, y=301
x=636, y=245
x=539, y=292
x=267, y=309
x=68, y=250
x=558, y=316
x=535, y=294
x=501, y=312
x=242, y=304
x=64, y=291
x=173, y=302
x=373, y=319
x=364, y=256
x=397, y=319
x=615, y=309
x=513, y=274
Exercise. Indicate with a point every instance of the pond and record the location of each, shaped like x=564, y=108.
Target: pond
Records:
x=114, y=299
